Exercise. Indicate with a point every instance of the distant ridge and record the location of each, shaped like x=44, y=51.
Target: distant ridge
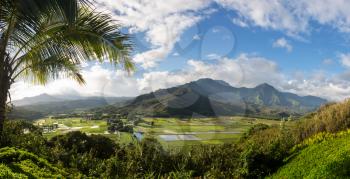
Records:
x=44, y=104
x=210, y=97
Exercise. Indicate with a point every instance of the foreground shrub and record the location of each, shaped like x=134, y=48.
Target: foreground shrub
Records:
x=24, y=135
x=146, y=157
x=263, y=150
x=214, y=161
x=82, y=152
x=20, y=163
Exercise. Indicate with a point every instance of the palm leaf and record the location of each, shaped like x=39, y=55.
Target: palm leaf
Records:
x=65, y=32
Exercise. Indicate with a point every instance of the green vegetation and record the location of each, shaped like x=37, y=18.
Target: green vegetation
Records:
x=313, y=147
x=206, y=130
x=18, y=163
x=324, y=156
x=266, y=148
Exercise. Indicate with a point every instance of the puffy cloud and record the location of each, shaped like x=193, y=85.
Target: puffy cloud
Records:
x=196, y=37
x=329, y=12
x=283, y=43
x=245, y=70
x=163, y=22
x=291, y=16
x=345, y=59
x=331, y=87
x=99, y=82
x=239, y=22
x=271, y=14
x=213, y=56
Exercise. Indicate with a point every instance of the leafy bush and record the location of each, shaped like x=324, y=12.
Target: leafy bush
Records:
x=23, y=135
x=82, y=152
x=6, y=172
x=146, y=157
x=20, y=163
x=263, y=150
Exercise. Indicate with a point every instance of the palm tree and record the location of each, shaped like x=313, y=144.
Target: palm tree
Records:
x=41, y=40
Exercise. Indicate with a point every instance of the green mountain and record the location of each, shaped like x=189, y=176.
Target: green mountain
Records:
x=209, y=97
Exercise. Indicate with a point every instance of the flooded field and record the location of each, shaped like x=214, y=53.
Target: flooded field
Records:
x=172, y=137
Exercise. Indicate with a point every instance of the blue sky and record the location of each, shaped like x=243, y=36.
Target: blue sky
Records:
x=218, y=35
x=297, y=46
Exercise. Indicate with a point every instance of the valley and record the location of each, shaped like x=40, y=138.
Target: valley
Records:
x=205, y=112
x=172, y=133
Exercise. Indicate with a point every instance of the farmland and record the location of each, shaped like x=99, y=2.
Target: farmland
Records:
x=171, y=132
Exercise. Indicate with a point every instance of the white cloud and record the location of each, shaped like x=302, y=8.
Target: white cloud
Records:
x=99, y=82
x=345, y=59
x=292, y=17
x=283, y=43
x=216, y=30
x=196, y=37
x=271, y=14
x=245, y=70
x=240, y=22
x=329, y=12
x=213, y=56
x=327, y=61
x=162, y=21
x=331, y=87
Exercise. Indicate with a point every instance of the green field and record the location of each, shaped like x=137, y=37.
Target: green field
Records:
x=202, y=130
x=207, y=130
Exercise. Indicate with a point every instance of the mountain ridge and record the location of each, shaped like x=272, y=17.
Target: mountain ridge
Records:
x=204, y=97
x=210, y=97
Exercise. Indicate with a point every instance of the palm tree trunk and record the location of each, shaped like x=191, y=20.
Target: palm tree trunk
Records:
x=4, y=87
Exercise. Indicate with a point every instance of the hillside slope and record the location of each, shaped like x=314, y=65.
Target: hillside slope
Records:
x=326, y=156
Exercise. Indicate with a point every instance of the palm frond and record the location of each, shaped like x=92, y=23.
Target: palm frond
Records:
x=53, y=67
x=69, y=31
